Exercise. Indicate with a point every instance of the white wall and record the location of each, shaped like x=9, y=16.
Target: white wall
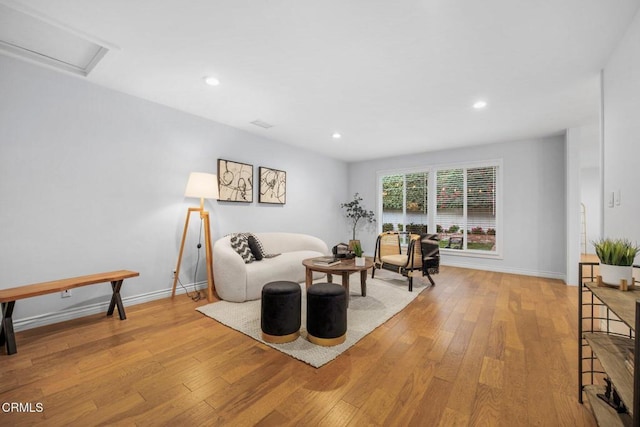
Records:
x=572, y=156
x=590, y=196
x=534, y=201
x=622, y=136
x=583, y=187
x=590, y=181
x=92, y=180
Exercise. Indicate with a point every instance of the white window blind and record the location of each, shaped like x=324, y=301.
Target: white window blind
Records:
x=450, y=207
x=405, y=202
x=462, y=207
x=466, y=208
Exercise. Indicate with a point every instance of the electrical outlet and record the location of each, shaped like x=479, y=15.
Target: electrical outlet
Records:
x=65, y=294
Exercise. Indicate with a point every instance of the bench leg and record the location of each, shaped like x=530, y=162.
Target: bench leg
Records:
x=7, y=335
x=116, y=300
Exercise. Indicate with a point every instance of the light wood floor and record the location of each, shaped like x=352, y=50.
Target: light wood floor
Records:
x=480, y=348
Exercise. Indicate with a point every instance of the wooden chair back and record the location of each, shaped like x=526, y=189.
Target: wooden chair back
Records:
x=388, y=244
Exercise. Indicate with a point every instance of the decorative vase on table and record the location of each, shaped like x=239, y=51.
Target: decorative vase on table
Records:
x=615, y=274
x=616, y=262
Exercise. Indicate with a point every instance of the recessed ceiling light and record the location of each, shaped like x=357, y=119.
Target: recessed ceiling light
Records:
x=211, y=81
x=479, y=105
x=336, y=135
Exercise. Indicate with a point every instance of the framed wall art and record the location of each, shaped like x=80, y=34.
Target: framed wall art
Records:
x=235, y=181
x=273, y=186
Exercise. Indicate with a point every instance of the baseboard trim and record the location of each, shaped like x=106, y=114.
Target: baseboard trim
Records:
x=101, y=307
x=508, y=270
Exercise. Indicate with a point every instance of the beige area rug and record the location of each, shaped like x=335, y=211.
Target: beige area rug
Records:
x=387, y=295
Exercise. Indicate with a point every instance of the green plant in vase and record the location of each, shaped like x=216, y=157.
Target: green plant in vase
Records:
x=616, y=251
x=357, y=251
x=616, y=261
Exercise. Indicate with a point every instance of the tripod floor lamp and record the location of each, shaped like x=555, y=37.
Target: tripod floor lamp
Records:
x=203, y=186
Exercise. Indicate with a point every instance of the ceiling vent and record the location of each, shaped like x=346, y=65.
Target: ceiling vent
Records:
x=262, y=124
x=27, y=35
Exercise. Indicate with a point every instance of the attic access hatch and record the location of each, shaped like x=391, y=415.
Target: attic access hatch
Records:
x=27, y=36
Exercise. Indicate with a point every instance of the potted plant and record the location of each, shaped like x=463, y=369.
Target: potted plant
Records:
x=355, y=212
x=616, y=260
x=357, y=251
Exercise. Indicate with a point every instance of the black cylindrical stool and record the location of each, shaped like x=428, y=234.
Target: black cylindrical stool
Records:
x=326, y=314
x=280, y=314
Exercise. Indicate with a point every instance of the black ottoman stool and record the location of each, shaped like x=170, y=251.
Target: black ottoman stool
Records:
x=280, y=314
x=326, y=314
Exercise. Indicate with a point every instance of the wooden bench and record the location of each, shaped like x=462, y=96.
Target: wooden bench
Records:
x=8, y=298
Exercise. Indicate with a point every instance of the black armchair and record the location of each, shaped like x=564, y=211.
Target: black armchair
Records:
x=430, y=246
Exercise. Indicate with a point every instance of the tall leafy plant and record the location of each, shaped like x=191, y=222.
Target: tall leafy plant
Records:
x=616, y=251
x=356, y=212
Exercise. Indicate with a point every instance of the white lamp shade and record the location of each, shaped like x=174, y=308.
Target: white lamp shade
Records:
x=202, y=185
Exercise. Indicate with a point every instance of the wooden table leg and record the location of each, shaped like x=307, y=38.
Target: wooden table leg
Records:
x=7, y=336
x=329, y=278
x=363, y=282
x=345, y=284
x=308, y=277
x=116, y=300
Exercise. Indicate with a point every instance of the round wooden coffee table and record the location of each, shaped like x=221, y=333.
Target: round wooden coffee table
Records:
x=344, y=269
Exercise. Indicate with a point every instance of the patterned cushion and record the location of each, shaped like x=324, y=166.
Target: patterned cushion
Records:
x=254, y=250
x=256, y=247
x=240, y=244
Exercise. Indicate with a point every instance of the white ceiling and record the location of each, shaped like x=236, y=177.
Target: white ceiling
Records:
x=393, y=77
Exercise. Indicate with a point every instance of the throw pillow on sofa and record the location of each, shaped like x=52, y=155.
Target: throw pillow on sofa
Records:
x=240, y=244
x=256, y=247
x=259, y=247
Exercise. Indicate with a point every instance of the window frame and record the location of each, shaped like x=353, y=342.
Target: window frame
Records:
x=432, y=171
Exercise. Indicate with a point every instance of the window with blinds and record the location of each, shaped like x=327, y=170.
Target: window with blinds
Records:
x=466, y=208
x=392, y=202
x=405, y=202
x=450, y=207
x=481, y=208
x=463, y=209
x=416, y=205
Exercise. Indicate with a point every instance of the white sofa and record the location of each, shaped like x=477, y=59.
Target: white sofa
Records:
x=237, y=282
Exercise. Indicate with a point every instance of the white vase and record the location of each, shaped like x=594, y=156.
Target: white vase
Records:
x=614, y=274
x=359, y=261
